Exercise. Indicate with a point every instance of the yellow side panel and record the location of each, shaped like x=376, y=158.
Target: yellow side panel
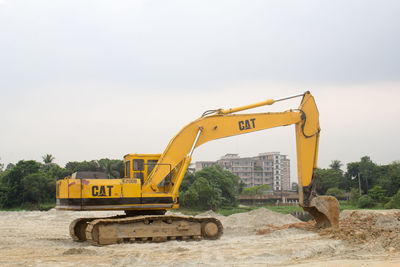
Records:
x=98, y=188
x=62, y=189
x=74, y=188
x=110, y=188
x=131, y=188
x=101, y=188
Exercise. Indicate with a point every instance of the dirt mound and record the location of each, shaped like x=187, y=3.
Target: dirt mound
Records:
x=380, y=229
x=249, y=222
x=271, y=228
x=376, y=229
x=210, y=213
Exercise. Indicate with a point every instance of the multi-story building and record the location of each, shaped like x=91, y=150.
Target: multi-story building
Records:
x=203, y=164
x=272, y=169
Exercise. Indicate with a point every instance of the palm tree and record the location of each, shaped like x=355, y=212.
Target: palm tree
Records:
x=336, y=165
x=48, y=159
x=48, y=162
x=110, y=167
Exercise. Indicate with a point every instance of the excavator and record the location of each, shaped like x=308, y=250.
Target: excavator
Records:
x=151, y=181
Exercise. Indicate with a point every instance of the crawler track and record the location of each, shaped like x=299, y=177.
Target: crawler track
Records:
x=77, y=228
x=151, y=228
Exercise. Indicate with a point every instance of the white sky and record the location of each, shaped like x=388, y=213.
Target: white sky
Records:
x=84, y=80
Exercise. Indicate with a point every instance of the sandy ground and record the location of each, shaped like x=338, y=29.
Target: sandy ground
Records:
x=42, y=239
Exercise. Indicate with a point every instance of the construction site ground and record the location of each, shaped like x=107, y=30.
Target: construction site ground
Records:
x=257, y=238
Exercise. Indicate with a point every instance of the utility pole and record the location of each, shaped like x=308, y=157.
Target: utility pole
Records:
x=359, y=184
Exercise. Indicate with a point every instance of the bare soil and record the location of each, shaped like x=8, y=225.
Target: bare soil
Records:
x=257, y=238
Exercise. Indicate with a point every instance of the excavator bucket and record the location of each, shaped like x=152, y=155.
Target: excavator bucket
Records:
x=325, y=210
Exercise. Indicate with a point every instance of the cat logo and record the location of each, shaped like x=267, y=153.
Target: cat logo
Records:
x=101, y=192
x=247, y=124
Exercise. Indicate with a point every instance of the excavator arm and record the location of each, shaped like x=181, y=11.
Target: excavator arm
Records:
x=221, y=123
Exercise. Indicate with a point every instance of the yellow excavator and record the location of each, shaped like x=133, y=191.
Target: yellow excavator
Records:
x=151, y=181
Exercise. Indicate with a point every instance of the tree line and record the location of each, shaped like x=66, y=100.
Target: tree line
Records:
x=364, y=183
x=29, y=184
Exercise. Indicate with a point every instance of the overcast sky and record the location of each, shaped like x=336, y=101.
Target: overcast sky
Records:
x=85, y=80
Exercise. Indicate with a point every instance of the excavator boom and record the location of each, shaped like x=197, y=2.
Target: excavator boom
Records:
x=223, y=123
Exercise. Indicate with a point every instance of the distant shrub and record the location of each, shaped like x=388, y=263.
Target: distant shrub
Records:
x=365, y=201
x=336, y=192
x=377, y=193
x=394, y=202
x=354, y=196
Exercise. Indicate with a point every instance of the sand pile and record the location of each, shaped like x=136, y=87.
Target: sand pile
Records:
x=249, y=222
x=375, y=228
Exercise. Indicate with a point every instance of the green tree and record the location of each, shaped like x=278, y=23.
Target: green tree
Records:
x=75, y=166
x=255, y=190
x=210, y=188
x=336, y=165
x=202, y=195
x=365, y=201
x=241, y=186
x=377, y=193
x=1, y=167
x=48, y=162
x=48, y=159
x=38, y=188
x=187, y=181
x=10, y=166
x=336, y=192
x=12, y=181
x=389, y=178
x=225, y=181
x=327, y=178
x=112, y=167
x=368, y=171
x=354, y=196
x=57, y=172
x=3, y=189
x=394, y=202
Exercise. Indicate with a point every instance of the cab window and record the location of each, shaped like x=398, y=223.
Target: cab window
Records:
x=138, y=164
x=128, y=169
x=150, y=166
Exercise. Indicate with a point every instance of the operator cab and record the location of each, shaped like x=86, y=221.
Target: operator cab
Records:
x=140, y=166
